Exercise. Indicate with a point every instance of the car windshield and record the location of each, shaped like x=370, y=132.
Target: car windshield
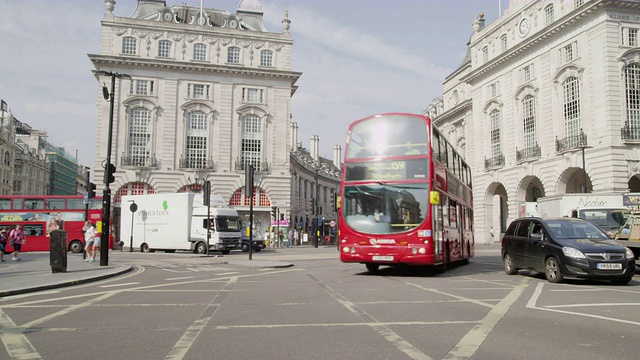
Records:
x=563, y=229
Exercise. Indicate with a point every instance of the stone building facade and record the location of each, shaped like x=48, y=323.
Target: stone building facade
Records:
x=546, y=102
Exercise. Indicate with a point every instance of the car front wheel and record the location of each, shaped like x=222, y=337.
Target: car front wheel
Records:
x=623, y=281
x=552, y=271
x=508, y=265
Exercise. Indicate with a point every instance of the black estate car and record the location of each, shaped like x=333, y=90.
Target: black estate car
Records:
x=565, y=247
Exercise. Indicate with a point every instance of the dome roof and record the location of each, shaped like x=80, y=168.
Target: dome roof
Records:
x=250, y=6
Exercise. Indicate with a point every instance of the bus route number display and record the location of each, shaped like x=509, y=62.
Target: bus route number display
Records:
x=387, y=170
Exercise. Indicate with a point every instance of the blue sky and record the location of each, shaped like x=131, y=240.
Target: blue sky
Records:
x=358, y=58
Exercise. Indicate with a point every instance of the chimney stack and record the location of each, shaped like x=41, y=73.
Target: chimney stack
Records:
x=337, y=155
x=294, y=136
x=315, y=141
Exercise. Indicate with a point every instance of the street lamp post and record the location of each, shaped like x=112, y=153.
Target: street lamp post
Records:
x=582, y=144
x=106, y=193
x=315, y=209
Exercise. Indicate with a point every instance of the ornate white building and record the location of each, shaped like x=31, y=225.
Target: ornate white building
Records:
x=548, y=89
x=208, y=93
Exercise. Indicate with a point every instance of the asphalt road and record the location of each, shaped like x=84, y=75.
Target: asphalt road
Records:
x=175, y=306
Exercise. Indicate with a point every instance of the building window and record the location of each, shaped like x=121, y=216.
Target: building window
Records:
x=251, y=141
x=529, y=121
x=198, y=91
x=548, y=14
x=129, y=45
x=266, y=58
x=141, y=87
x=492, y=90
x=632, y=80
x=495, y=134
x=569, y=52
x=571, y=106
x=164, y=48
x=196, y=151
x=503, y=42
x=200, y=52
x=139, y=136
x=252, y=95
x=578, y=3
x=633, y=37
x=233, y=55
x=485, y=55
x=527, y=74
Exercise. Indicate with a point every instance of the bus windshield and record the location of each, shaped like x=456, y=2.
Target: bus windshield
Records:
x=388, y=135
x=385, y=208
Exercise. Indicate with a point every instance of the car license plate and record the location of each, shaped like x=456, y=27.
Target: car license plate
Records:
x=382, y=258
x=609, y=266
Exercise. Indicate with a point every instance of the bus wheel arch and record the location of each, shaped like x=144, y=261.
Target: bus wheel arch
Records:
x=75, y=246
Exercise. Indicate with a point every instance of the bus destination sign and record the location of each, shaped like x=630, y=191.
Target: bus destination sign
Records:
x=387, y=170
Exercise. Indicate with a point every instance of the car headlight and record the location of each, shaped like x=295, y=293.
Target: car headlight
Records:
x=630, y=254
x=573, y=252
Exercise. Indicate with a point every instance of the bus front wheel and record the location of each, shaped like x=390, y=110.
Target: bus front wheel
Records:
x=372, y=268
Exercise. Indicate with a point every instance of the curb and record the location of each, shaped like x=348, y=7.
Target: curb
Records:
x=125, y=270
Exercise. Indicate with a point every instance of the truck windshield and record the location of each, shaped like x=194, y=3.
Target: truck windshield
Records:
x=226, y=223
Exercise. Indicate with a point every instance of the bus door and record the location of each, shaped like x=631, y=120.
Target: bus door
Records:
x=437, y=230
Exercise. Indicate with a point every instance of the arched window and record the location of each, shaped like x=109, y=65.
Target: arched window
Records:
x=129, y=45
x=139, y=147
x=632, y=84
x=233, y=55
x=496, y=150
x=571, y=108
x=529, y=121
x=197, y=139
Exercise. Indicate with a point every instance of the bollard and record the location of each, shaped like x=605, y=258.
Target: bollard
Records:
x=58, y=251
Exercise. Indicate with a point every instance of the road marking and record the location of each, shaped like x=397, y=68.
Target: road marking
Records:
x=590, y=305
x=183, y=345
x=469, y=344
x=116, y=285
x=381, y=328
x=30, y=294
x=15, y=341
x=68, y=310
x=532, y=304
x=180, y=278
x=473, y=301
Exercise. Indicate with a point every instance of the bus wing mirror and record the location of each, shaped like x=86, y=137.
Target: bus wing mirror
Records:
x=434, y=198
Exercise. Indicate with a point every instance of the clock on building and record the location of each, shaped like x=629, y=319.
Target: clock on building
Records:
x=233, y=23
x=523, y=27
x=167, y=16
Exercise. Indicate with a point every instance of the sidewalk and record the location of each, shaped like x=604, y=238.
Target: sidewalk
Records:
x=33, y=273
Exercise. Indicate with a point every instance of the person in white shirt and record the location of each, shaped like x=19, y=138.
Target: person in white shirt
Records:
x=91, y=241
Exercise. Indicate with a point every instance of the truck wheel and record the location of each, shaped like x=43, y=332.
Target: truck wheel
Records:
x=245, y=247
x=225, y=252
x=144, y=247
x=75, y=247
x=201, y=248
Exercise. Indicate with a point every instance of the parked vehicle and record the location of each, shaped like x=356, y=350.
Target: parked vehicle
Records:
x=629, y=233
x=171, y=222
x=566, y=204
x=565, y=247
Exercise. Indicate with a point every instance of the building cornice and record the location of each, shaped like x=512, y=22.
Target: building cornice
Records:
x=562, y=24
x=106, y=61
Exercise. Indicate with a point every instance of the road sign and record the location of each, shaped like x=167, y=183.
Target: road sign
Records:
x=332, y=223
x=85, y=199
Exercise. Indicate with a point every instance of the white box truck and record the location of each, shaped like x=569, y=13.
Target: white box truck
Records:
x=564, y=205
x=171, y=222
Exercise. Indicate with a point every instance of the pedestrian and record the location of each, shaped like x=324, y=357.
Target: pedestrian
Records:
x=52, y=226
x=290, y=243
x=3, y=242
x=90, y=236
x=295, y=237
x=17, y=239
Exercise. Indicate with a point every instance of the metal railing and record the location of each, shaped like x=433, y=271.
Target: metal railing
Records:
x=139, y=161
x=262, y=167
x=531, y=153
x=630, y=133
x=494, y=162
x=198, y=164
x=571, y=142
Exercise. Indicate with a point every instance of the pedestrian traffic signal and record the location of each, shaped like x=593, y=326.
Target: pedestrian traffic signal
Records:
x=110, y=174
x=92, y=190
x=274, y=212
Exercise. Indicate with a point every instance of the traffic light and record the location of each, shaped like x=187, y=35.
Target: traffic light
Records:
x=336, y=202
x=110, y=174
x=92, y=190
x=206, y=193
x=274, y=211
x=281, y=216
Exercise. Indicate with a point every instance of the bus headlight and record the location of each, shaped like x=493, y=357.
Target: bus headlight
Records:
x=345, y=249
x=414, y=251
x=422, y=251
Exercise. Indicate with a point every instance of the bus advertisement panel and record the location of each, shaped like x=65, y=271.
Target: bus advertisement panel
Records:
x=405, y=195
x=68, y=211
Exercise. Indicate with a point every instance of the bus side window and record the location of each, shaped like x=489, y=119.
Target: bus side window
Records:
x=445, y=210
x=435, y=144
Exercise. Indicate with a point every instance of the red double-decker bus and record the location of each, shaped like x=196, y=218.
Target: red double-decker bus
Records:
x=405, y=195
x=34, y=212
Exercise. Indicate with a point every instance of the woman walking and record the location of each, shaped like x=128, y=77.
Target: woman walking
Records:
x=16, y=238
